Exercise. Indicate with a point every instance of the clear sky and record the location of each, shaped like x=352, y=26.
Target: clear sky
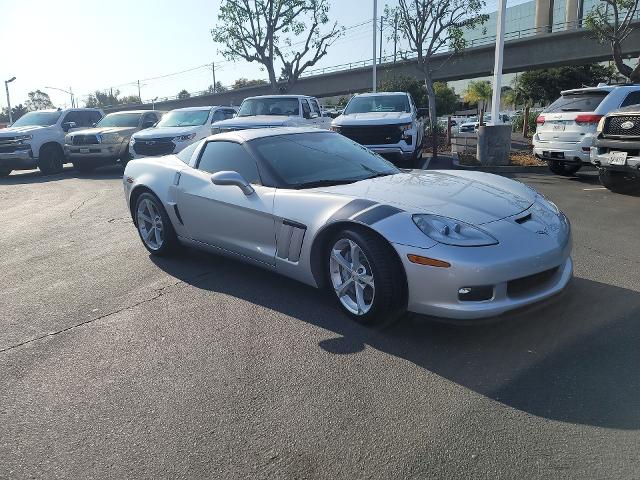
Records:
x=93, y=45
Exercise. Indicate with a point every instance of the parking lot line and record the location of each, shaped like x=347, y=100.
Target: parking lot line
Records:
x=596, y=188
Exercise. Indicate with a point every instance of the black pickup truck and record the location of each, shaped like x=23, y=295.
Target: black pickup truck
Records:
x=617, y=150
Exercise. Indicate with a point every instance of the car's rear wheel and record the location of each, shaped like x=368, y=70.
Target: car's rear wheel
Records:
x=154, y=226
x=619, y=182
x=83, y=167
x=5, y=172
x=365, y=277
x=51, y=160
x=565, y=169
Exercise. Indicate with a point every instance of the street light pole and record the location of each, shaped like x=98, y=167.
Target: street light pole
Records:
x=70, y=92
x=375, y=27
x=381, y=27
x=6, y=87
x=497, y=67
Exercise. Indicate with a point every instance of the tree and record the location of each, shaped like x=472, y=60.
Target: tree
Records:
x=109, y=98
x=38, y=100
x=243, y=82
x=182, y=94
x=544, y=86
x=430, y=25
x=264, y=31
x=16, y=113
x=446, y=98
x=478, y=92
x=219, y=88
x=406, y=84
x=613, y=21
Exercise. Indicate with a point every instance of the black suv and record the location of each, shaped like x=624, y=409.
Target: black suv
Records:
x=617, y=150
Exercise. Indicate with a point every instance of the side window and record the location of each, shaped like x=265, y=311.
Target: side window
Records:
x=72, y=117
x=229, y=113
x=228, y=156
x=95, y=117
x=315, y=107
x=186, y=153
x=149, y=117
x=217, y=116
x=306, y=111
x=632, y=99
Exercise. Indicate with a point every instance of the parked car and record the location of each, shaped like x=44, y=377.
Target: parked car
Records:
x=566, y=129
x=108, y=142
x=617, y=150
x=276, y=111
x=36, y=140
x=388, y=123
x=178, y=129
x=472, y=124
x=317, y=207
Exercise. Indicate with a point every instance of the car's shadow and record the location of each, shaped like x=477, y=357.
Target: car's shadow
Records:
x=572, y=360
x=35, y=176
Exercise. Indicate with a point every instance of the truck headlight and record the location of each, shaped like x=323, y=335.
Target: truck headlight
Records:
x=184, y=138
x=215, y=130
x=405, y=126
x=107, y=138
x=23, y=138
x=335, y=128
x=600, y=126
x=452, y=232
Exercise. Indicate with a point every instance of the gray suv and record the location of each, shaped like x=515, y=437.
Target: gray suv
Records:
x=108, y=141
x=617, y=150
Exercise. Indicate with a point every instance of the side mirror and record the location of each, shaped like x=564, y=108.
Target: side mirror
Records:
x=148, y=124
x=66, y=126
x=94, y=124
x=423, y=112
x=313, y=115
x=232, y=178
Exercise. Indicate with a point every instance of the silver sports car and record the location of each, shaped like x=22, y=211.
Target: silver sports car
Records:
x=319, y=208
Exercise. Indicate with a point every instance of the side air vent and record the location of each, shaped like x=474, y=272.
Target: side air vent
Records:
x=289, y=243
x=523, y=219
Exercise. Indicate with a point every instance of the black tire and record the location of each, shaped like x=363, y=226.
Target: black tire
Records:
x=564, y=168
x=84, y=167
x=619, y=182
x=51, y=160
x=389, y=299
x=169, y=242
x=5, y=172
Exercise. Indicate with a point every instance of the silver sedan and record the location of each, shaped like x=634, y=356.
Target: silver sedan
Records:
x=319, y=208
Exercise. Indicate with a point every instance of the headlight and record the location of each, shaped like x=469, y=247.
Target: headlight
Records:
x=405, y=126
x=452, y=232
x=107, y=138
x=23, y=138
x=68, y=139
x=600, y=126
x=132, y=141
x=215, y=130
x=335, y=128
x=548, y=203
x=184, y=138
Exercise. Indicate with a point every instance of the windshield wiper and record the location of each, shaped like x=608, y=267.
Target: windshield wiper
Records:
x=325, y=183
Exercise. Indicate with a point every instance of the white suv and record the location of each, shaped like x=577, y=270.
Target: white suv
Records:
x=37, y=139
x=566, y=129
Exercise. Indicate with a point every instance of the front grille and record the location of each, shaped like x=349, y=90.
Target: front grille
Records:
x=5, y=140
x=85, y=140
x=154, y=146
x=613, y=126
x=524, y=285
x=373, y=135
x=8, y=148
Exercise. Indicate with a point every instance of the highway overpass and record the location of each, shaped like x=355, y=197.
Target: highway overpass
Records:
x=543, y=50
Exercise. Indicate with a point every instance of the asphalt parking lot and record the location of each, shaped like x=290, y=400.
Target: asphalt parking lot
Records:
x=117, y=365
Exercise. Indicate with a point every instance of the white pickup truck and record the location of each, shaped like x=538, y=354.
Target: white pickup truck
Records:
x=275, y=111
x=388, y=123
x=37, y=139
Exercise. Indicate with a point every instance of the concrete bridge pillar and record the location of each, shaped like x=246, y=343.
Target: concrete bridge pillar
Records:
x=572, y=13
x=544, y=16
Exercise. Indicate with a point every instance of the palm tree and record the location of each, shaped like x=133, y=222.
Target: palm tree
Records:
x=478, y=92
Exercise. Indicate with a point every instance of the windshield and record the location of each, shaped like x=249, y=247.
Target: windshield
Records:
x=313, y=159
x=270, y=106
x=380, y=103
x=577, y=102
x=120, y=120
x=184, y=118
x=43, y=119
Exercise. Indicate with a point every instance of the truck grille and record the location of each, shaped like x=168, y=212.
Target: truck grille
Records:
x=373, y=135
x=85, y=140
x=525, y=285
x=154, y=146
x=613, y=126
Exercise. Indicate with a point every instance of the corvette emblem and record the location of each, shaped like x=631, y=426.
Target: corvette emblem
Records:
x=627, y=125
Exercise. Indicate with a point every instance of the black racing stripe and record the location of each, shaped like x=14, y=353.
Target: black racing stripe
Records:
x=376, y=214
x=351, y=209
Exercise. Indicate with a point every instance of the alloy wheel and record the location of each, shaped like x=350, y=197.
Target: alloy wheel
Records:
x=352, y=276
x=150, y=224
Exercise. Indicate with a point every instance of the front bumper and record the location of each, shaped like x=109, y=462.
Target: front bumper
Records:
x=517, y=274
x=572, y=152
x=95, y=153
x=601, y=154
x=18, y=160
x=395, y=151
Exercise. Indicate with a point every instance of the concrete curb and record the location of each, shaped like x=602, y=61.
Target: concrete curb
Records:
x=501, y=168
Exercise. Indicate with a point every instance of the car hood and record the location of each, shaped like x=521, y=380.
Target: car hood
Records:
x=254, y=121
x=472, y=197
x=12, y=131
x=104, y=130
x=373, y=118
x=162, y=132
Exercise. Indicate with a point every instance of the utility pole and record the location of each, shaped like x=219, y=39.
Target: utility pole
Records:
x=381, y=25
x=497, y=67
x=395, y=37
x=139, y=95
x=375, y=27
x=213, y=72
x=6, y=87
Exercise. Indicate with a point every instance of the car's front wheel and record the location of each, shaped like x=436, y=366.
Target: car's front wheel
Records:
x=366, y=277
x=564, y=168
x=154, y=226
x=619, y=182
x=51, y=160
